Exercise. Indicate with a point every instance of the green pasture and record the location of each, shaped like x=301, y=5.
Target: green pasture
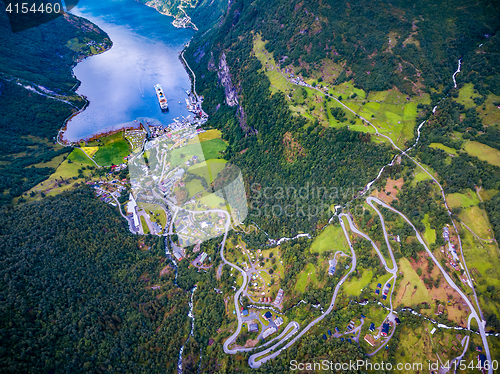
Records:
x=463, y=200
x=449, y=150
x=429, y=234
x=490, y=115
x=410, y=277
x=483, y=152
x=466, y=95
x=112, y=150
x=354, y=286
x=304, y=278
x=208, y=169
x=332, y=239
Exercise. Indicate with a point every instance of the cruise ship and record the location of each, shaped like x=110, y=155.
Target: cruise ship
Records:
x=162, y=100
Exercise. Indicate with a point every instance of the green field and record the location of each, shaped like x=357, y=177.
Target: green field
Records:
x=390, y=111
x=354, y=286
x=194, y=186
x=421, y=175
x=483, y=152
x=490, y=115
x=208, y=169
x=75, y=45
x=451, y=151
x=305, y=278
x=429, y=234
x=206, y=150
x=416, y=346
x=209, y=135
x=483, y=261
x=90, y=151
x=466, y=95
x=54, y=163
x=332, y=239
x=411, y=296
x=114, y=148
x=278, y=82
x=157, y=215
x=212, y=201
x=476, y=219
x=487, y=194
x=463, y=200
x=144, y=226
x=77, y=156
x=66, y=171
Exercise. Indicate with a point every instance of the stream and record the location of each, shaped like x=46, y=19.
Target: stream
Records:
x=439, y=325
x=169, y=257
x=190, y=315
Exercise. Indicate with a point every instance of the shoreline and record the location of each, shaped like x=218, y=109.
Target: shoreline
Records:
x=60, y=135
x=111, y=132
x=188, y=25
x=78, y=59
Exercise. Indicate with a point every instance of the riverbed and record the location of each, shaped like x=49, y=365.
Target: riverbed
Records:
x=119, y=83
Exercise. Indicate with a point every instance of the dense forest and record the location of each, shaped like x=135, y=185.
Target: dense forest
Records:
x=77, y=289
x=77, y=292
x=380, y=45
x=37, y=57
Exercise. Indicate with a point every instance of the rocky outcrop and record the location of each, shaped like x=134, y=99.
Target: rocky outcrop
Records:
x=225, y=80
x=211, y=63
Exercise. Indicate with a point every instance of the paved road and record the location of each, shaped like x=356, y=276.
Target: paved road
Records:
x=285, y=335
x=233, y=337
x=256, y=364
x=129, y=220
x=450, y=281
x=405, y=153
x=477, y=236
x=383, y=344
x=354, y=229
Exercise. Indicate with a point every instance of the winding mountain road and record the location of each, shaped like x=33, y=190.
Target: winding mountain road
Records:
x=256, y=364
x=474, y=314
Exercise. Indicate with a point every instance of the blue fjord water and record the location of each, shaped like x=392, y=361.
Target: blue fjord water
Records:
x=119, y=82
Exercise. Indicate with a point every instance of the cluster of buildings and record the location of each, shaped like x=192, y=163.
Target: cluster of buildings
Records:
x=198, y=262
x=453, y=259
x=136, y=138
x=279, y=297
x=451, y=246
x=278, y=321
x=117, y=168
x=194, y=104
x=188, y=121
x=331, y=269
x=107, y=191
x=253, y=326
x=351, y=325
x=132, y=210
x=385, y=292
x=182, y=23
x=157, y=131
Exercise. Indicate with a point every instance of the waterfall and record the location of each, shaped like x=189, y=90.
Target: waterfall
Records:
x=190, y=315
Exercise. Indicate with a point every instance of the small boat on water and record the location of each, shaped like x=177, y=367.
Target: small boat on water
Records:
x=162, y=100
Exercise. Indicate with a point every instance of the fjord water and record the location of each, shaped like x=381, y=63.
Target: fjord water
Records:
x=119, y=83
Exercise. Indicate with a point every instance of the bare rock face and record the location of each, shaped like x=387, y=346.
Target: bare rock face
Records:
x=211, y=63
x=225, y=80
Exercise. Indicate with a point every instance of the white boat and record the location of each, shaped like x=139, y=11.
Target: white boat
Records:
x=162, y=100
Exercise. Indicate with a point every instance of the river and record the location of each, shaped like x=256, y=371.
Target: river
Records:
x=119, y=82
